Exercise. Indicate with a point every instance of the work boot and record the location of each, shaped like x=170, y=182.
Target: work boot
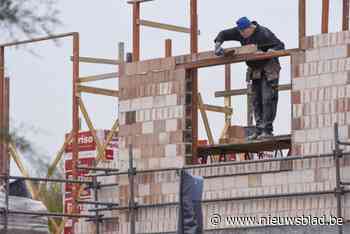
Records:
x=265, y=135
x=254, y=136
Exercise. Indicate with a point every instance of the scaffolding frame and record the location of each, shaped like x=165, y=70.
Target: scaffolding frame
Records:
x=197, y=103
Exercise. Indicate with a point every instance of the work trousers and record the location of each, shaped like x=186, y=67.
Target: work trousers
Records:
x=265, y=95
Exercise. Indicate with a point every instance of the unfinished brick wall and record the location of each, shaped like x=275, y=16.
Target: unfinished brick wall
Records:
x=148, y=106
x=153, y=119
x=321, y=91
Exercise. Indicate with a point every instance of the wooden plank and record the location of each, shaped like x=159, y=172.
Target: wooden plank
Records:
x=15, y=155
x=138, y=1
x=97, y=60
x=346, y=8
x=114, y=129
x=219, y=109
x=271, y=144
x=105, y=76
x=59, y=155
x=100, y=150
x=240, y=92
x=168, y=27
x=227, y=100
x=98, y=91
x=136, y=34
x=168, y=48
x=238, y=58
x=194, y=32
x=325, y=16
x=224, y=131
x=248, y=49
x=205, y=120
x=302, y=20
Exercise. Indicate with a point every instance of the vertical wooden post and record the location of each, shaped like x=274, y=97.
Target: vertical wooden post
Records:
x=136, y=32
x=250, y=109
x=325, y=16
x=302, y=20
x=168, y=48
x=75, y=124
x=194, y=76
x=227, y=100
x=346, y=15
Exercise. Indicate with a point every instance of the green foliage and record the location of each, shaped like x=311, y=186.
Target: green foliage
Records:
x=27, y=18
x=52, y=197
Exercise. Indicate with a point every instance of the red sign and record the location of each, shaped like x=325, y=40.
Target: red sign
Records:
x=86, y=142
x=87, y=153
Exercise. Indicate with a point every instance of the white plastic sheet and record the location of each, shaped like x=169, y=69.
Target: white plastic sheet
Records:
x=24, y=224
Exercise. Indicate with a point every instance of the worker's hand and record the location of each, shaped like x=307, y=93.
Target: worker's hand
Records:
x=271, y=50
x=219, y=51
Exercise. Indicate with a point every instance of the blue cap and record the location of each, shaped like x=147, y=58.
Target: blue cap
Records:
x=243, y=23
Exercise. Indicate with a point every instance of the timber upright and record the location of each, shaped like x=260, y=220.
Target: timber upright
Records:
x=263, y=74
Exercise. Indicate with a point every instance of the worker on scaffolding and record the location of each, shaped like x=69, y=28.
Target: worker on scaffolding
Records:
x=264, y=74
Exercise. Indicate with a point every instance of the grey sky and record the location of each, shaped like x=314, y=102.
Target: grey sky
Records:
x=41, y=86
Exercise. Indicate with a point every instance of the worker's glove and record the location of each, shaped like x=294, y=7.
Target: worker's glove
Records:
x=219, y=51
x=271, y=50
x=259, y=52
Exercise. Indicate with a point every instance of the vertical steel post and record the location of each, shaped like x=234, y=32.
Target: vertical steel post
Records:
x=7, y=199
x=194, y=77
x=132, y=195
x=2, y=112
x=136, y=31
x=302, y=20
x=75, y=123
x=325, y=16
x=339, y=189
x=121, y=52
x=346, y=9
x=96, y=187
x=168, y=48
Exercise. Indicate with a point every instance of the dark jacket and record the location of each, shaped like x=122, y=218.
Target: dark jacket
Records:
x=262, y=37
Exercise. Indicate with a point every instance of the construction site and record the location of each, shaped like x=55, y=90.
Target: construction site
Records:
x=152, y=173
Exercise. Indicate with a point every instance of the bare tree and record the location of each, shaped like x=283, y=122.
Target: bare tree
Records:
x=26, y=18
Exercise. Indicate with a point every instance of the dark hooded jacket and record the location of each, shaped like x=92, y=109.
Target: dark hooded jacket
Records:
x=262, y=37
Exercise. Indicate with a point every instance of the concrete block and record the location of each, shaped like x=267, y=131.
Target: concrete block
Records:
x=164, y=138
x=135, y=104
x=170, y=150
x=124, y=106
x=147, y=102
x=171, y=125
x=144, y=190
x=267, y=179
x=171, y=100
x=147, y=127
x=159, y=101
x=299, y=136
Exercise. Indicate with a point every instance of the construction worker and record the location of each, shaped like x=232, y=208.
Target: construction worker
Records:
x=264, y=74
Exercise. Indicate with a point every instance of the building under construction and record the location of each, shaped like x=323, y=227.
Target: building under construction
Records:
x=306, y=173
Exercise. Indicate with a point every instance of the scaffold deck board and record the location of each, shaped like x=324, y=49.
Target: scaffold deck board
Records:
x=280, y=142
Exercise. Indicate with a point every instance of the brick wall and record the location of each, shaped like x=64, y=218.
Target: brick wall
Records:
x=242, y=181
x=153, y=119
x=321, y=91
